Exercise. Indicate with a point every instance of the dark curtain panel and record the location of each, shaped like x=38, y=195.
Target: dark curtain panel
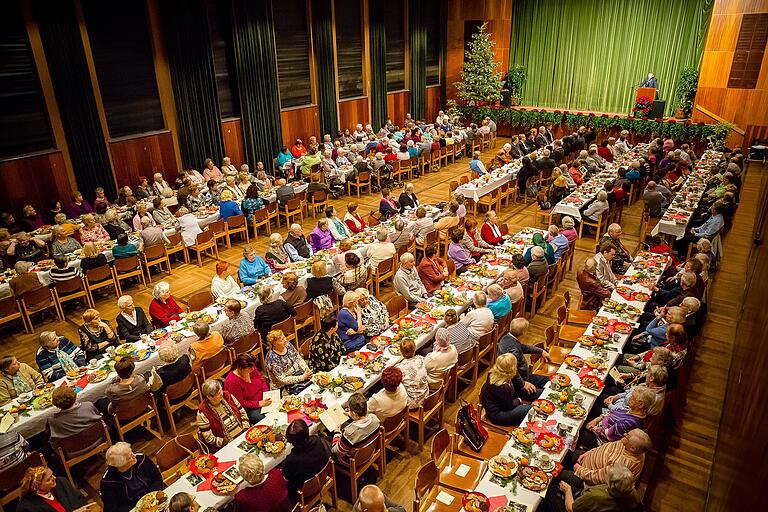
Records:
x=65, y=55
x=256, y=66
x=194, y=81
x=418, y=64
x=378, y=44
x=443, y=51
x=326, y=80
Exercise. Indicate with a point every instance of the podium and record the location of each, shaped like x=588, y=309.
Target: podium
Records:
x=647, y=92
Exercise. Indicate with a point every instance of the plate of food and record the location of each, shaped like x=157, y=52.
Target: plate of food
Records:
x=533, y=478
x=596, y=363
x=209, y=318
x=75, y=373
x=323, y=379
x=600, y=320
x=381, y=341
x=194, y=315
x=98, y=376
x=376, y=365
x=503, y=466
x=601, y=332
x=438, y=312
x=290, y=403
x=126, y=349
x=358, y=358
x=622, y=327
x=476, y=502
x=177, y=337
x=592, y=383
x=157, y=334
x=574, y=361
x=550, y=442
x=313, y=411
x=524, y=436
x=155, y=501
x=590, y=341
x=394, y=349
x=424, y=307
x=352, y=383
x=543, y=406
x=222, y=485
x=561, y=379
x=203, y=464
x=575, y=411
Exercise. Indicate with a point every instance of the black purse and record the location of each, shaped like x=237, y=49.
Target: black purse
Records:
x=470, y=428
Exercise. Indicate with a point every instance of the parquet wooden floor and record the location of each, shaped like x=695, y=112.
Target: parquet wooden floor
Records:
x=686, y=468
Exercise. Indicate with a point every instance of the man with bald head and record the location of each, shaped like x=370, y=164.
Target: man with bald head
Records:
x=371, y=499
x=623, y=258
x=592, y=292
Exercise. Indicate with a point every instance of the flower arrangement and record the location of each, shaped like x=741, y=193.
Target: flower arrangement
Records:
x=642, y=107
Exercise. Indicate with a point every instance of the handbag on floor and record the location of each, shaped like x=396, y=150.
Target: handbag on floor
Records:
x=470, y=428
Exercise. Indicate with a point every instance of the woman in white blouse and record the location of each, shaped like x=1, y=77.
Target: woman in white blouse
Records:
x=479, y=321
x=443, y=357
x=223, y=284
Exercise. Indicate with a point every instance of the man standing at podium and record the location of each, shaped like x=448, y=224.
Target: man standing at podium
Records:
x=650, y=81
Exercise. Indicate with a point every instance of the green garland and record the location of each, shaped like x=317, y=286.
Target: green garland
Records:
x=677, y=130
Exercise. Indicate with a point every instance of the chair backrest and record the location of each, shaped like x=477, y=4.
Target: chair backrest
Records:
x=440, y=443
x=567, y=299
x=88, y=438
x=518, y=308
x=549, y=334
x=301, y=196
x=293, y=204
x=216, y=226
x=204, y=237
x=128, y=264
x=562, y=315
x=364, y=177
x=127, y=410
x=271, y=208
x=485, y=340
x=319, y=196
x=38, y=297
x=97, y=274
x=366, y=451
x=431, y=238
x=466, y=357
x=66, y=287
x=173, y=240
x=10, y=478
x=177, y=450
x=463, y=180
x=215, y=363
x=396, y=305
x=180, y=389
x=9, y=306
x=287, y=326
x=314, y=485
x=247, y=343
x=427, y=477
x=433, y=399
x=386, y=266
x=235, y=221
x=393, y=422
x=154, y=252
x=303, y=311
x=200, y=300
x=260, y=215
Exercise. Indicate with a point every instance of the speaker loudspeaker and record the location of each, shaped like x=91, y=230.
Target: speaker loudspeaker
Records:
x=506, y=98
x=657, y=109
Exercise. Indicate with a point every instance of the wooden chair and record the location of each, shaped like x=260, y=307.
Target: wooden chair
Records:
x=577, y=316
x=444, y=156
x=199, y=301
x=251, y=344
x=552, y=275
x=397, y=307
x=363, y=180
x=205, y=242
x=470, y=205
x=567, y=333
x=430, y=409
x=10, y=311
x=647, y=224
x=126, y=268
x=395, y=426
x=452, y=186
x=140, y=411
x=179, y=395
x=302, y=197
x=219, y=230
x=292, y=209
x=538, y=291
x=538, y=365
x=486, y=347
x=316, y=488
x=10, y=478
x=173, y=457
x=260, y=218
x=215, y=367
x=463, y=179
x=236, y=225
x=368, y=454
x=518, y=308
x=427, y=488
x=71, y=289
x=447, y=461
x=101, y=277
x=497, y=439
x=175, y=246
x=466, y=364
x=556, y=353
x=157, y=255
x=432, y=238
x=318, y=199
x=289, y=329
x=305, y=318
x=599, y=225
x=491, y=200
x=37, y=301
x=401, y=171
x=486, y=141
x=384, y=271
x=81, y=446
x=273, y=213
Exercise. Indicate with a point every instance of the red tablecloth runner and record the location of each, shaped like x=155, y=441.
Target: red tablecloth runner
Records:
x=220, y=468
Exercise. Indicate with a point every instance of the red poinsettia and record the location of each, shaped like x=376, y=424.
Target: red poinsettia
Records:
x=642, y=107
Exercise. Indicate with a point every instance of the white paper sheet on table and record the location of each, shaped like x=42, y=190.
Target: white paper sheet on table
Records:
x=274, y=395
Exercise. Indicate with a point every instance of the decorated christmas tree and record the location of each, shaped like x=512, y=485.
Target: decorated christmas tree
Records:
x=481, y=79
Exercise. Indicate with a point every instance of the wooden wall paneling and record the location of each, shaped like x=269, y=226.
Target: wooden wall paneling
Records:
x=300, y=123
x=144, y=155
x=232, y=132
x=353, y=111
x=35, y=179
x=398, y=106
x=434, y=103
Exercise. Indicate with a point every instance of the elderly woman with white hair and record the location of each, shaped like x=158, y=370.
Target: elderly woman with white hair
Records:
x=655, y=379
x=163, y=309
x=596, y=207
x=509, y=282
x=174, y=367
x=276, y=256
x=272, y=310
x=350, y=320
x=252, y=266
x=159, y=185
x=132, y=321
x=443, y=357
x=189, y=227
x=704, y=246
x=612, y=425
x=538, y=266
x=129, y=476
x=373, y=312
x=499, y=302
x=220, y=417
x=617, y=494
x=569, y=229
x=407, y=198
x=480, y=320
x=263, y=491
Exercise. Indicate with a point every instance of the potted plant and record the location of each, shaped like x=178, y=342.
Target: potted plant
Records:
x=514, y=82
x=686, y=92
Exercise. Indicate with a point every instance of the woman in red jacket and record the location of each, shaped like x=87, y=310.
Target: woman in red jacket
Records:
x=354, y=222
x=163, y=309
x=246, y=384
x=432, y=270
x=490, y=232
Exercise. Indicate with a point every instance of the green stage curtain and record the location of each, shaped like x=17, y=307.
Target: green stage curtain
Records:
x=322, y=20
x=194, y=81
x=256, y=65
x=65, y=55
x=592, y=54
x=418, y=64
x=378, y=77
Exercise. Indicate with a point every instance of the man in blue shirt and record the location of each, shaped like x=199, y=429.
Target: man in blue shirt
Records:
x=476, y=165
x=712, y=226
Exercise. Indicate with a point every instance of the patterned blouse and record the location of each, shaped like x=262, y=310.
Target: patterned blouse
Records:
x=90, y=339
x=414, y=380
x=233, y=329
x=375, y=317
x=277, y=259
x=287, y=368
x=325, y=352
x=96, y=234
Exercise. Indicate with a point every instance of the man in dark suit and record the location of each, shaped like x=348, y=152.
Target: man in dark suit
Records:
x=545, y=164
x=541, y=139
x=515, y=151
x=558, y=154
x=521, y=146
x=548, y=134
x=650, y=81
x=530, y=143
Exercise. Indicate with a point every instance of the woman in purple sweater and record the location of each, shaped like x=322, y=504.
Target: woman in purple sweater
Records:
x=321, y=237
x=247, y=385
x=614, y=424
